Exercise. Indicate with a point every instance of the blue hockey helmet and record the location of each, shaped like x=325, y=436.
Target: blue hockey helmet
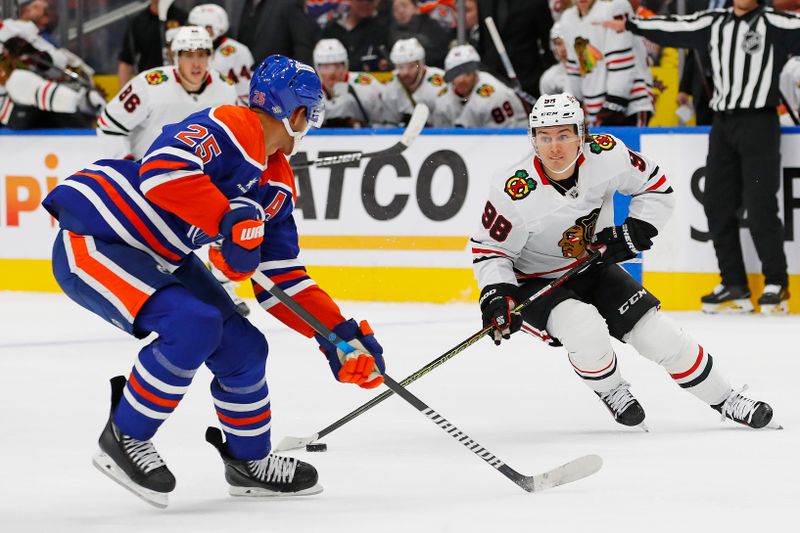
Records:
x=280, y=85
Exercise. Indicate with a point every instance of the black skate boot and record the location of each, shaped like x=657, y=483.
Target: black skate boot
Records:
x=774, y=300
x=745, y=411
x=134, y=464
x=623, y=406
x=271, y=476
x=731, y=299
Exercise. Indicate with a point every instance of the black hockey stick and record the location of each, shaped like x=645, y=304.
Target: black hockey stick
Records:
x=294, y=443
x=415, y=124
x=523, y=95
x=572, y=471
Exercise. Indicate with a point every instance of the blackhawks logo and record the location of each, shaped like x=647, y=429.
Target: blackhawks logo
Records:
x=227, y=50
x=363, y=79
x=588, y=55
x=575, y=239
x=442, y=91
x=485, y=90
x=225, y=78
x=156, y=77
x=601, y=142
x=519, y=185
x=436, y=80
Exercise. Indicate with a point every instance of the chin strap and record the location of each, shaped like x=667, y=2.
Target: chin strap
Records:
x=580, y=151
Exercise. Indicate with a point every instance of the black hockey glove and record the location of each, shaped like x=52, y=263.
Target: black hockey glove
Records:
x=497, y=307
x=613, y=111
x=626, y=241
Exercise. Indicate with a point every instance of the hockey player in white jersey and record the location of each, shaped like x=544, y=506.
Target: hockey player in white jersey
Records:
x=165, y=95
x=554, y=79
x=412, y=83
x=607, y=71
x=473, y=98
x=790, y=89
x=547, y=211
x=231, y=58
x=352, y=99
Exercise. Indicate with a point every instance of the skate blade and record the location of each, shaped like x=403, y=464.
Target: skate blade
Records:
x=643, y=427
x=107, y=466
x=258, y=492
x=773, y=425
x=779, y=309
x=734, y=307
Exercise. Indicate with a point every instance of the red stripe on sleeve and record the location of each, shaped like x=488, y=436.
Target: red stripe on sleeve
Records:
x=162, y=164
x=312, y=298
x=658, y=184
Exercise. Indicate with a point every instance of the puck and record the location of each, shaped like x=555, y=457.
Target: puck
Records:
x=317, y=447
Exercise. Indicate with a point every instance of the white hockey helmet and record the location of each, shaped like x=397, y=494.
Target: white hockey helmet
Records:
x=557, y=110
x=407, y=51
x=460, y=60
x=191, y=38
x=329, y=51
x=210, y=15
x=556, y=32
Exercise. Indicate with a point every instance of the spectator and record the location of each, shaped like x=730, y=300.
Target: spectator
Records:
x=143, y=46
x=277, y=27
x=473, y=98
x=554, y=80
x=365, y=37
x=606, y=71
x=413, y=82
x=407, y=22
x=525, y=29
x=744, y=160
x=41, y=13
x=352, y=99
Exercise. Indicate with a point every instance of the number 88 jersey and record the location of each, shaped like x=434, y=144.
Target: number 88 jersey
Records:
x=151, y=100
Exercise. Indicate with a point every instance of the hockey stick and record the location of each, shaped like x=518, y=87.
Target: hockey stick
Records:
x=415, y=124
x=572, y=471
x=512, y=74
x=293, y=443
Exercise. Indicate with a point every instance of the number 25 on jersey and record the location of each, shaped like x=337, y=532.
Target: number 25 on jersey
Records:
x=197, y=137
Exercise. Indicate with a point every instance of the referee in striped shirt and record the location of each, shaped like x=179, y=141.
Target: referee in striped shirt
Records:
x=748, y=44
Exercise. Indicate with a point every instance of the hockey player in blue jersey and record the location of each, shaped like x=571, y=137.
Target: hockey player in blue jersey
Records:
x=124, y=251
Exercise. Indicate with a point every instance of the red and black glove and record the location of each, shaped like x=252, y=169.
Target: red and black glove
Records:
x=240, y=252
x=621, y=243
x=497, y=307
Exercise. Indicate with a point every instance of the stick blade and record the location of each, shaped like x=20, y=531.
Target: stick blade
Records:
x=294, y=443
x=567, y=473
x=419, y=117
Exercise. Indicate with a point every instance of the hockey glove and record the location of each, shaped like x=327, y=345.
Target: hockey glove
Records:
x=613, y=112
x=239, y=254
x=364, y=365
x=620, y=243
x=497, y=307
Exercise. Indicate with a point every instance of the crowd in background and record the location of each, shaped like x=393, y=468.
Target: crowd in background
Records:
x=546, y=54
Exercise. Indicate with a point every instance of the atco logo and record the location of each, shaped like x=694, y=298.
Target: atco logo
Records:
x=259, y=98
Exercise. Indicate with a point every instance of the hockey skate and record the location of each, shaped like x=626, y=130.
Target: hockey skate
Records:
x=729, y=299
x=272, y=476
x=774, y=300
x=625, y=409
x=134, y=464
x=750, y=413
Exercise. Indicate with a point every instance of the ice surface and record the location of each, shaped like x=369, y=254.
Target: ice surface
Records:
x=392, y=469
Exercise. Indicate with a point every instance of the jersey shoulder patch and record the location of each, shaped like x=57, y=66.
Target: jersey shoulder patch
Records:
x=485, y=90
x=363, y=79
x=436, y=80
x=443, y=91
x=520, y=185
x=155, y=77
x=225, y=78
x=601, y=142
x=227, y=50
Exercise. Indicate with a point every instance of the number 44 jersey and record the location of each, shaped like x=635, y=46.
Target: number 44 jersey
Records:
x=133, y=119
x=530, y=228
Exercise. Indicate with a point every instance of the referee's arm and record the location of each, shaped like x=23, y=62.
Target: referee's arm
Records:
x=691, y=31
x=787, y=25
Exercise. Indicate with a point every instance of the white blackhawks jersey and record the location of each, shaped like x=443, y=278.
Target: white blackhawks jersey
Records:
x=605, y=65
x=492, y=104
x=400, y=102
x=234, y=60
x=153, y=99
x=529, y=229
x=554, y=80
x=790, y=89
x=366, y=106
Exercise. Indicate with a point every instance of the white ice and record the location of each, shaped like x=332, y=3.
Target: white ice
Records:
x=392, y=469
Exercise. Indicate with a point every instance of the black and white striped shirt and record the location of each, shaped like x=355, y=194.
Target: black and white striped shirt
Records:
x=747, y=52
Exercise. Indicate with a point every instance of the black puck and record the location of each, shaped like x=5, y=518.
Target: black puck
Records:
x=317, y=447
